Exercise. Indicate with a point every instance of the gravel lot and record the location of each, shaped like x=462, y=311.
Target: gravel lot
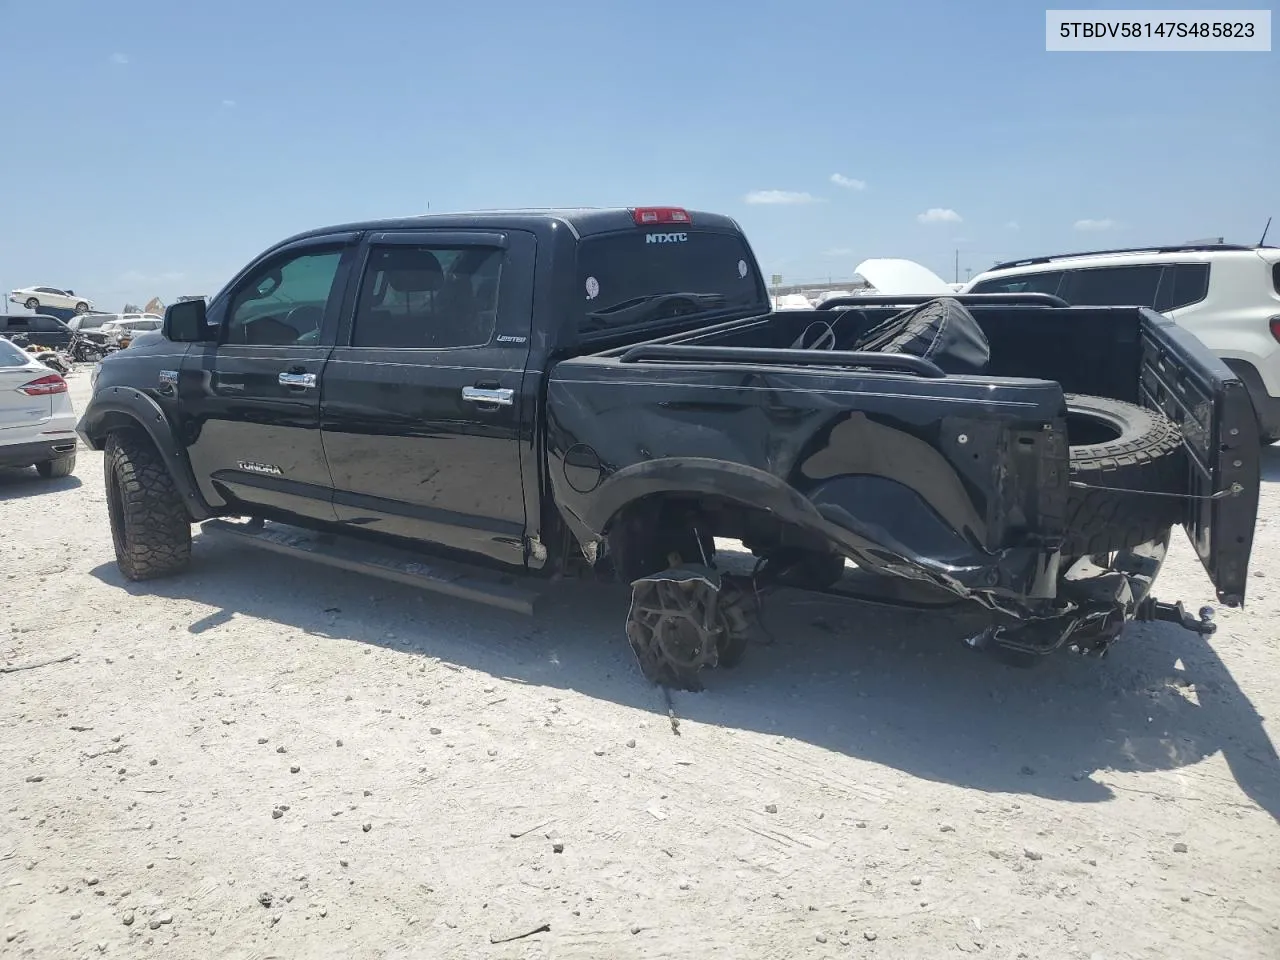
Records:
x=266, y=758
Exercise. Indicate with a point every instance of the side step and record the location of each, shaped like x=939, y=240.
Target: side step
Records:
x=387, y=563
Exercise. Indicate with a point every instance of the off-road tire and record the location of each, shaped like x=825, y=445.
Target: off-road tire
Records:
x=150, y=526
x=1146, y=457
x=57, y=469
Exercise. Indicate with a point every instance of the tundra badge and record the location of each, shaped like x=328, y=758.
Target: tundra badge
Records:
x=251, y=466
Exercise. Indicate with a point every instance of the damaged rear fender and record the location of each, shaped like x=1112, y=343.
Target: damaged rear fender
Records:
x=877, y=521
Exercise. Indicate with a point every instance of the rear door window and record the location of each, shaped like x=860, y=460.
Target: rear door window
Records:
x=1047, y=282
x=1114, y=286
x=428, y=297
x=645, y=277
x=48, y=325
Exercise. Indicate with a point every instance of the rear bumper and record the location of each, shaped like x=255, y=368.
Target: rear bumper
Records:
x=27, y=454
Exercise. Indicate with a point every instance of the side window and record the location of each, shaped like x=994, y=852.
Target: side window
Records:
x=1190, y=284
x=1114, y=286
x=1022, y=283
x=429, y=298
x=1275, y=277
x=283, y=303
x=46, y=325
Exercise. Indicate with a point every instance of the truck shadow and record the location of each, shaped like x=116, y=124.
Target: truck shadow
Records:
x=879, y=685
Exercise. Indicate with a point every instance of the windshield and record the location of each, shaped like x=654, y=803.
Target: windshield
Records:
x=635, y=279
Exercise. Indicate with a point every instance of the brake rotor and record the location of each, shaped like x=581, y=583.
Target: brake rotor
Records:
x=680, y=621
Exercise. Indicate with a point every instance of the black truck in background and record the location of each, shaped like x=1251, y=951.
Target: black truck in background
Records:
x=606, y=392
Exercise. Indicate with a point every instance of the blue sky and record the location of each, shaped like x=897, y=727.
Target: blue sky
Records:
x=154, y=147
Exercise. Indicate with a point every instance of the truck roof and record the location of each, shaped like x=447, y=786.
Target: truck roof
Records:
x=581, y=221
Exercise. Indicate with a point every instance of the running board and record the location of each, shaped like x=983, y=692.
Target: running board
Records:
x=388, y=563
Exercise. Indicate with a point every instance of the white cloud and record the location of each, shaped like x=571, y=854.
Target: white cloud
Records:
x=838, y=252
x=840, y=180
x=779, y=196
x=120, y=59
x=1096, y=225
x=1012, y=225
x=939, y=215
x=228, y=103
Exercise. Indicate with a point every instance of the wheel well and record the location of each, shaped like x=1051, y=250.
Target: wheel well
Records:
x=644, y=531
x=112, y=421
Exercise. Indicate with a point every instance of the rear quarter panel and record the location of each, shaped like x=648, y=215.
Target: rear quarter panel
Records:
x=861, y=453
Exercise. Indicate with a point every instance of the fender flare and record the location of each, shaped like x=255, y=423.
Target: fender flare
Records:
x=695, y=476
x=114, y=408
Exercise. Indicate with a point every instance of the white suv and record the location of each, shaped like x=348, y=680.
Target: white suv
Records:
x=1227, y=295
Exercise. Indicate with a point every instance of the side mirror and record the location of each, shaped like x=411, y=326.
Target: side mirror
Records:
x=185, y=322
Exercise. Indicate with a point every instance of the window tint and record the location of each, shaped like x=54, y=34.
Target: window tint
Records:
x=283, y=303
x=1022, y=283
x=429, y=298
x=91, y=321
x=48, y=325
x=11, y=356
x=631, y=279
x=1190, y=284
x=1114, y=286
x=1275, y=277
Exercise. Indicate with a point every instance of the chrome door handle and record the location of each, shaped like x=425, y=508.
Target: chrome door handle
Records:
x=305, y=380
x=503, y=397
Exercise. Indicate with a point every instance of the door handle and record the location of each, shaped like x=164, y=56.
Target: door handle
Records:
x=303, y=380
x=501, y=397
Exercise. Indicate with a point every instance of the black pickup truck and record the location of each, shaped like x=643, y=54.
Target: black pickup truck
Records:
x=450, y=400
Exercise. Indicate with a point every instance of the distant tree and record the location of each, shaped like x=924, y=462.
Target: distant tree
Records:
x=131, y=308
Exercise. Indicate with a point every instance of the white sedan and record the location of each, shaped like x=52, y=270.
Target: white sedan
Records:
x=33, y=298
x=37, y=419
x=130, y=326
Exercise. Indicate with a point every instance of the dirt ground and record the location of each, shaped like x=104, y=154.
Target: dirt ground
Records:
x=265, y=758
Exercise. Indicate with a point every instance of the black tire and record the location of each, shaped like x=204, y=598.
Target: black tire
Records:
x=149, y=523
x=1126, y=447
x=82, y=308
x=56, y=469
x=32, y=303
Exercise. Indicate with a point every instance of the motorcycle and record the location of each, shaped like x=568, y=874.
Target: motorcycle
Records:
x=85, y=349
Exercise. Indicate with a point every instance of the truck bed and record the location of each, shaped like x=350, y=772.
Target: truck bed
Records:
x=961, y=480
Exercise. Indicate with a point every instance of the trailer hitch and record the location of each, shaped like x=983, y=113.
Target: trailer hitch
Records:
x=1151, y=609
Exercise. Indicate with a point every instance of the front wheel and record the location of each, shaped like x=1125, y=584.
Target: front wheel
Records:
x=56, y=469
x=32, y=303
x=150, y=527
x=82, y=307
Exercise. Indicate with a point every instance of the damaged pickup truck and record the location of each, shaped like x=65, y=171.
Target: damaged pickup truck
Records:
x=450, y=400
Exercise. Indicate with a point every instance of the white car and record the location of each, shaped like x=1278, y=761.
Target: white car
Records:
x=1227, y=295
x=130, y=326
x=37, y=419
x=34, y=298
x=97, y=321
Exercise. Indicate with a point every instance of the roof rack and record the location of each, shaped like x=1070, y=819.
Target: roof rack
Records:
x=1174, y=248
